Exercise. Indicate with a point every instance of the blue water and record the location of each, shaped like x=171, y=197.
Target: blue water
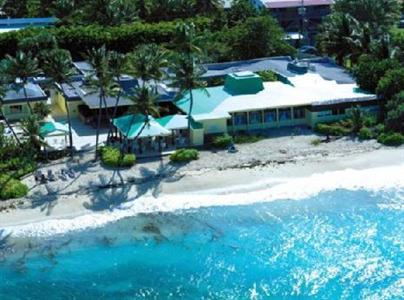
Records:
x=337, y=245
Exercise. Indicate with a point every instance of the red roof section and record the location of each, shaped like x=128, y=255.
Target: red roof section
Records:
x=295, y=3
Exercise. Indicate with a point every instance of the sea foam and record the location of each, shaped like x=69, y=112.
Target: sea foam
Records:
x=375, y=179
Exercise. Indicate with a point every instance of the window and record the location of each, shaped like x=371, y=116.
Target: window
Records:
x=255, y=117
x=270, y=116
x=338, y=111
x=284, y=114
x=299, y=113
x=15, y=109
x=324, y=113
x=240, y=119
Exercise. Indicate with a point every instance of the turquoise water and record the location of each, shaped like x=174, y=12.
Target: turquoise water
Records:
x=337, y=245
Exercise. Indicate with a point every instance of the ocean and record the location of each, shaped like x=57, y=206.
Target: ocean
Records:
x=333, y=244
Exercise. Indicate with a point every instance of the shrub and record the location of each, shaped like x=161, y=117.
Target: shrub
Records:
x=332, y=129
x=247, y=139
x=391, y=139
x=315, y=142
x=365, y=133
x=111, y=157
x=369, y=121
x=11, y=188
x=222, y=141
x=267, y=75
x=184, y=155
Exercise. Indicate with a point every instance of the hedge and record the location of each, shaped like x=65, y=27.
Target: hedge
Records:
x=11, y=188
x=111, y=157
x=365, y=133
x=123, y=38
x=391, y=139
x=332, y=129
x=222, y=141
x=184, y=155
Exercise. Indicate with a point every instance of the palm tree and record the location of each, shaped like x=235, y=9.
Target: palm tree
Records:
x=2, y=93
x=31, y=128
x=118, y=66
x=208, y=6
x=187, y=78
x=58, y=66
x=144, y=103
x=186, y=40
x=101, y=80
x=340, y=36
x=147, y=63
x=19, y=69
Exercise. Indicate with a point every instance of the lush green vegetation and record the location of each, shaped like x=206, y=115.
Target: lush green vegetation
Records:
x=239, y=33
x=184, y=155
x=222, y=141
x=341, y=128
x=112, y=157
x=268, y=75
x=361, y=35
x=247, y=139
x=11, y=188
x=391, y=139
x=16, y=160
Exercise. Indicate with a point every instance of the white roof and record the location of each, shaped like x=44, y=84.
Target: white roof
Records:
x=308, y=89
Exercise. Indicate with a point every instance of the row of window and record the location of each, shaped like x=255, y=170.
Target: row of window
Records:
x=267, y=116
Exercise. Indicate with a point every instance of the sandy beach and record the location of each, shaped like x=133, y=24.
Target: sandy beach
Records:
x=96, y=189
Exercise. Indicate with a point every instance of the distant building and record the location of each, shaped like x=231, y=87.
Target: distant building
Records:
x=7, y=25
x=290, y=13
x=15, y=107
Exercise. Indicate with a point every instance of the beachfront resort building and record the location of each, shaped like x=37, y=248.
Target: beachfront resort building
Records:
x=16, y=102
x=306, y=93
x=247, y=104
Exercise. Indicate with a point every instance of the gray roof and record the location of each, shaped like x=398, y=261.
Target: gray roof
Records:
x=325, y=67
x=79, y=91
x=34, y=93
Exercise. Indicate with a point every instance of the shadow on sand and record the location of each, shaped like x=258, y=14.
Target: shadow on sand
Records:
x=110, y=192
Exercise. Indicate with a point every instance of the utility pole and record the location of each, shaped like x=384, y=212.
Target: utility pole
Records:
x=302, y=14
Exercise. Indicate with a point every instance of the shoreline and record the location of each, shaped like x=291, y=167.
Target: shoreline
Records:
x=202, y=183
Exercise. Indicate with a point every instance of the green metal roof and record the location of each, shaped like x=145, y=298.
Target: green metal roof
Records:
x=131, y=125
x=205, y=100
x=243, y=83
x=173, y=122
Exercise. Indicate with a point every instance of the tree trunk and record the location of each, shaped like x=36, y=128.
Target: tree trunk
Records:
x=26, y=99
x=98, y=126
x=191, y=104
x=69, y=122
x=114, y=115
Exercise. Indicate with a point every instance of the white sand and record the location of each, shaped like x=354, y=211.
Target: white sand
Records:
x=80, y=203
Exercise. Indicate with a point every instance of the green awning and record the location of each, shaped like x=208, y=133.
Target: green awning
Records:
x=52, y=129
x=132, y=125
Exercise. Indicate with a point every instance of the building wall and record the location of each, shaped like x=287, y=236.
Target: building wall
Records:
x=17, y=116
x=214, y=126
x=59, y=100
x=197, y=137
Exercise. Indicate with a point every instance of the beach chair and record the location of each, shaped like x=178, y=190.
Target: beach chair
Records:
x=51, y=176
x=37, y=176
x=232, y=149
x=71, y=173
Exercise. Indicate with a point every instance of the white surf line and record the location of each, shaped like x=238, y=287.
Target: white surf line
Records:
x=375, y=179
